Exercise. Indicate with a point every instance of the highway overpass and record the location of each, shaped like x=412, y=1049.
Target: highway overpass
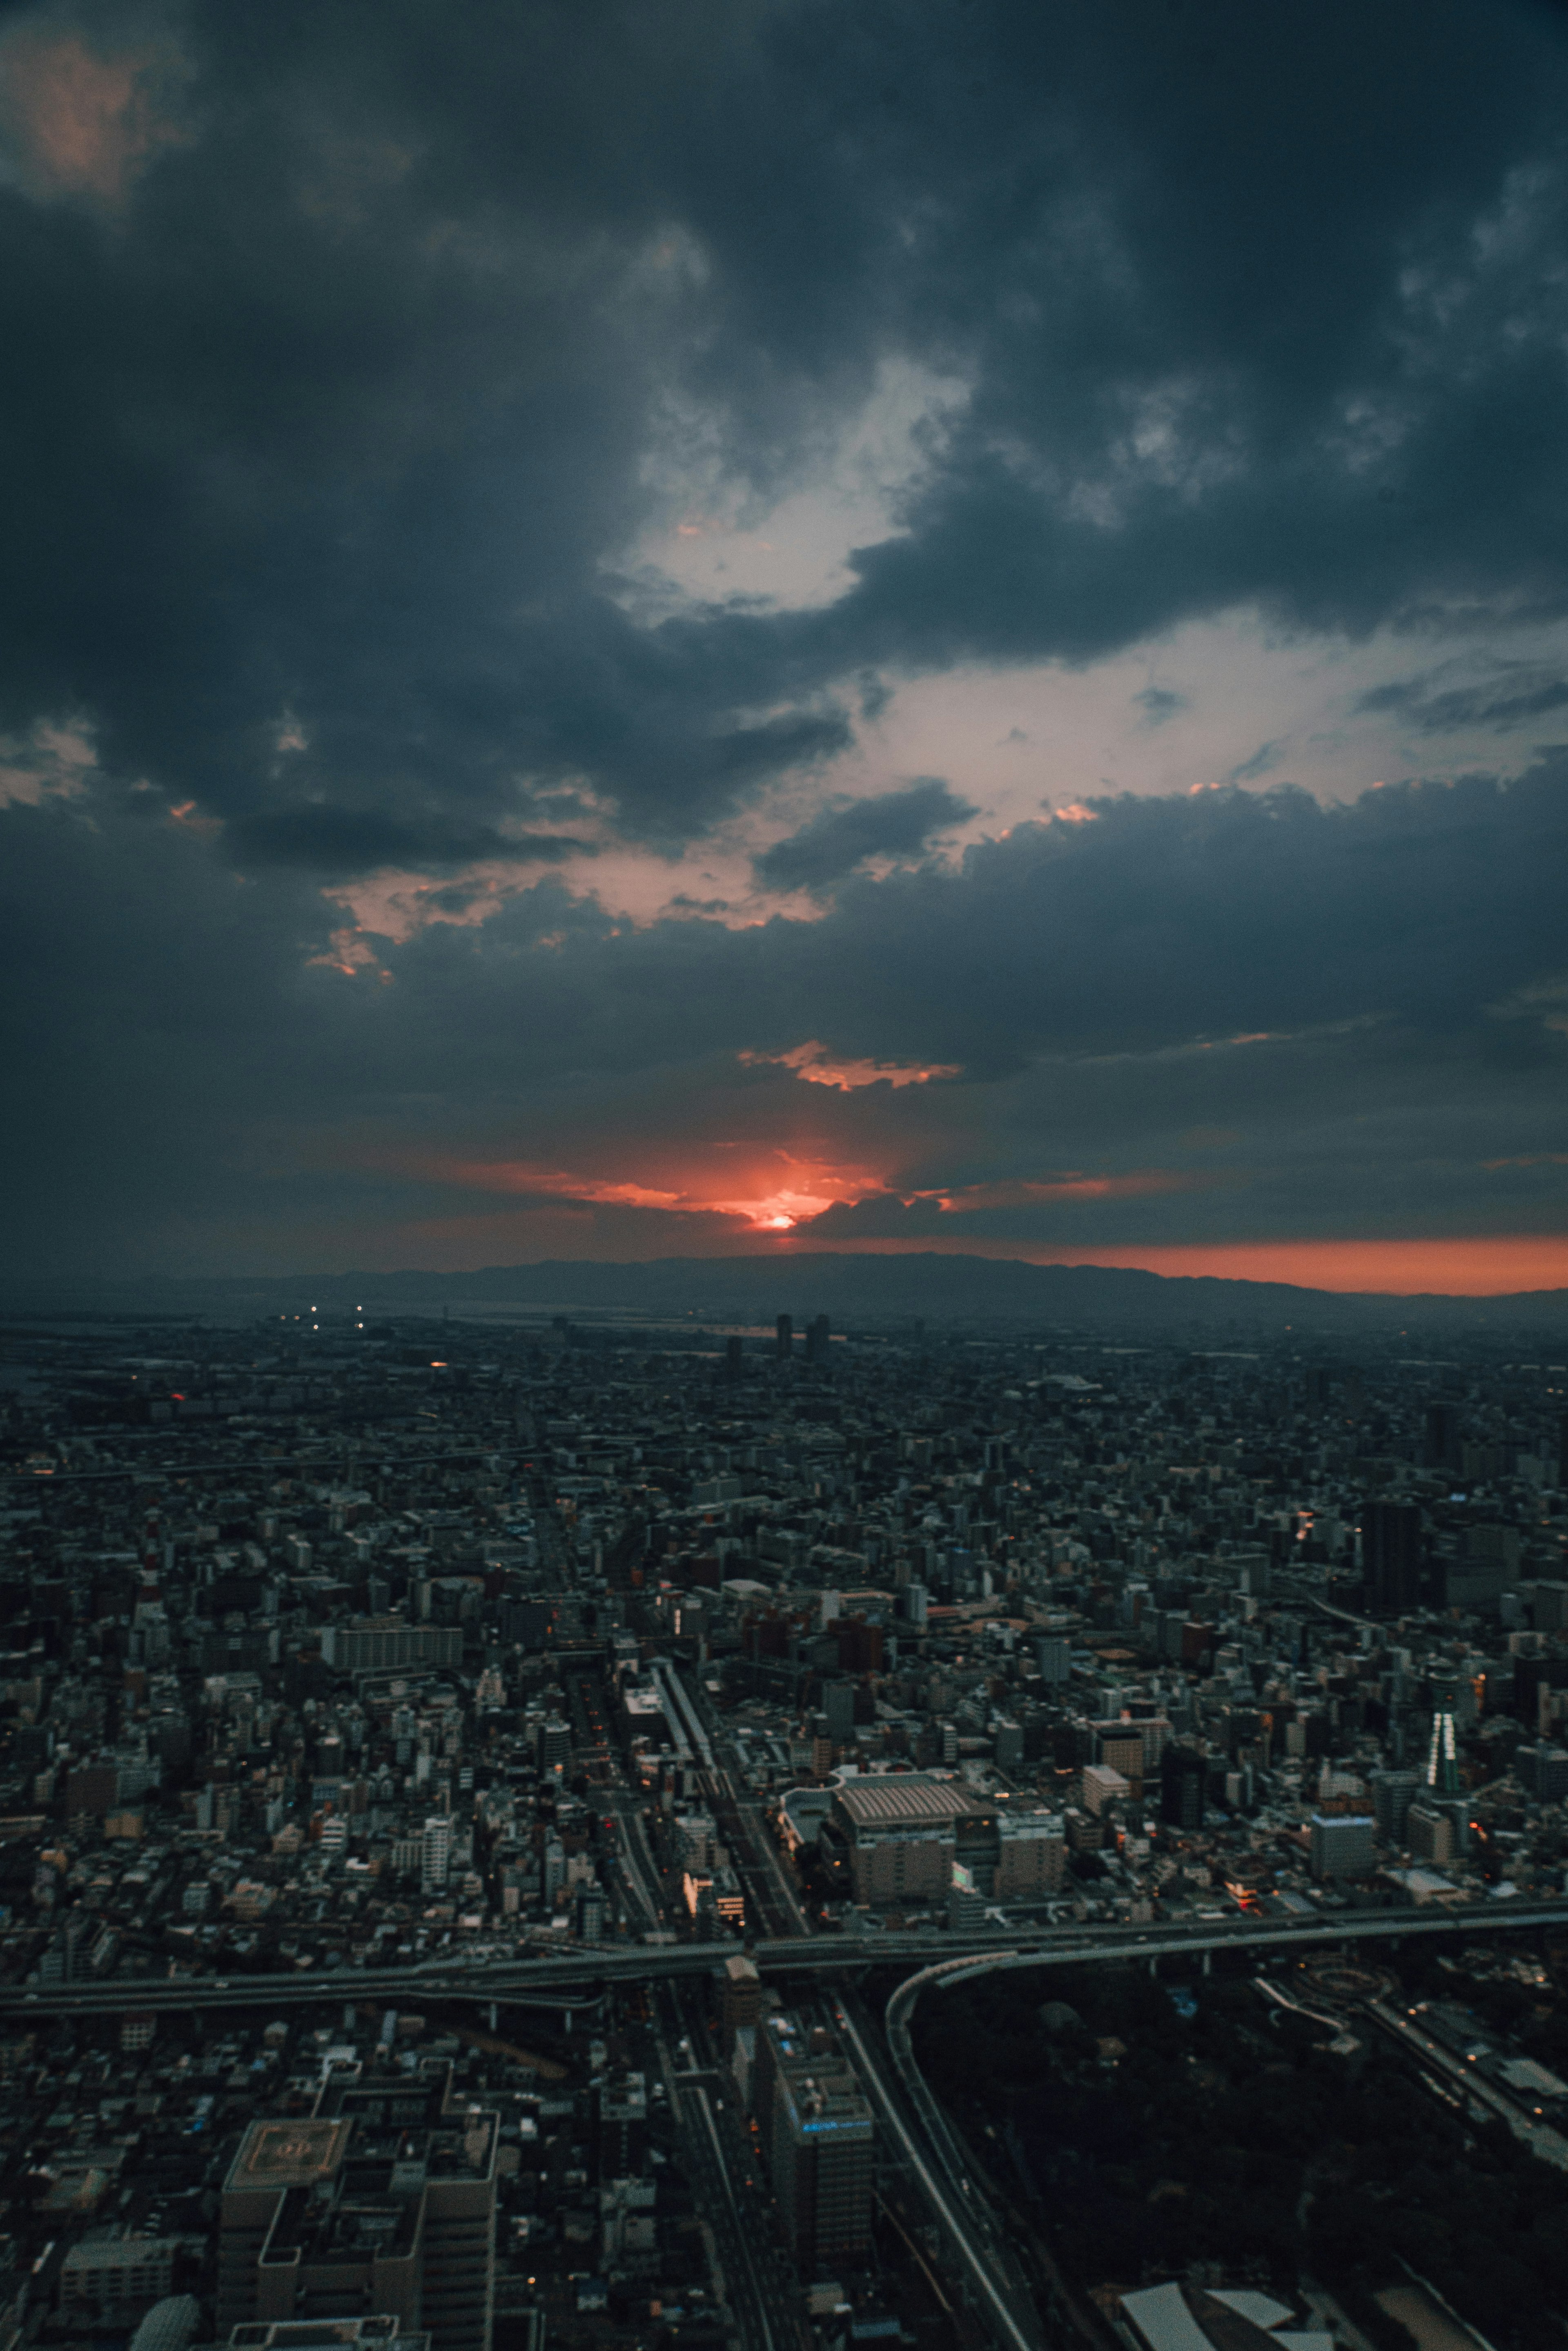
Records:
x=557, y=1973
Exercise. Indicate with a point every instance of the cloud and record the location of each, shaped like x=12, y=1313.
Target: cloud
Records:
x=818, y=1067
x=1499, y=708
x=79, y=120
x=345, y=742
x=894, y=824
x=1263, y=762
x=1347, y=1011
x=389, y=359
x=1160, y=704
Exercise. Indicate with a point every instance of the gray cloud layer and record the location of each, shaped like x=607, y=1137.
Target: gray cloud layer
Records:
x=336, y=403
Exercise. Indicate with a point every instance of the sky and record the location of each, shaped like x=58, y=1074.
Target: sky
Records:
x=644, y=628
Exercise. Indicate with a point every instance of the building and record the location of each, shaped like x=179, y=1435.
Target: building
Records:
x=1432, y=1832
x=380, y=1644
x=1393, y=1793
x=1103, y=1787
x=1053, y=1655
x=1184, y=1776
x=435, y=1853
x=740, y=1998
x=784, y=1338
x=1032, y=1856
x=1391, y=1556
x=170, y=2325
x=382, y=2200
x=895, y=1836
x=117, y=2273
x=623, y=2125
x=1342, y=1845
x=821, y=2144
x=371, y=2334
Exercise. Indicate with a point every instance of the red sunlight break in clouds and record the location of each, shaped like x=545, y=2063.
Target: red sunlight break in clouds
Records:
x=769, y=1192
x=1483, y=1266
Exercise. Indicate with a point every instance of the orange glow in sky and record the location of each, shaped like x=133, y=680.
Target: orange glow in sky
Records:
x=1476, y=1266
x=814, y=1062
x=770, y=1191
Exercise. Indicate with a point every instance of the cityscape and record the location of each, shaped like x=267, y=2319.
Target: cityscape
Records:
x=784, y=1175
x=511, y=1825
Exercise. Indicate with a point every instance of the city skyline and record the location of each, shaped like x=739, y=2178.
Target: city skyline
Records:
x=680, y=631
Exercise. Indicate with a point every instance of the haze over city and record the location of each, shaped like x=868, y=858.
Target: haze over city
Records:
x=686, y=630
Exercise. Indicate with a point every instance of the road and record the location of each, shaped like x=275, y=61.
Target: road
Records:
x=836, y=1954
x=972, y=2250
x=723, y=2168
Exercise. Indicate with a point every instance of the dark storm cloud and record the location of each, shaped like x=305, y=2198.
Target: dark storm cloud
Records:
x=340, y=841
x=337, y=401
x=347, y=353
x=1500, y=706
x=893, y=824
x=1186, y=1016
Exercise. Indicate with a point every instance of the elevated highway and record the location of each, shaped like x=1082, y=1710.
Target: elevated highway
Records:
x=591, y=1969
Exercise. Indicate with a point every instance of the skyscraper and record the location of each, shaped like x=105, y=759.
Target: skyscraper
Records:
x=784, y=1343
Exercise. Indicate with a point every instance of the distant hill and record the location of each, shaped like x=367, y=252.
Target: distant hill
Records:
x=942, y=1290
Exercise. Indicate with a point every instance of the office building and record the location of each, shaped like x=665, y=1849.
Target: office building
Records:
x=821, y=2144
x=1342, y=1845
x=1393, y=1793
x=1184, y=1776
x=382, y=2200
x=817, y=1343
x=784, y=1339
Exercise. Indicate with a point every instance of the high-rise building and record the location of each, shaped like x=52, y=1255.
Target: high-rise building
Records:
x=1053, y=1655
x=1391, y=1555
x=817, y=1342
x=784, y=1341
x=1442, y=1774
x=1392, y=1792
x=1184, y=1775
x=821, y=2147
x=381, y=2201
x=838, y=1711
x=436, y=1857
x=1342, y=1845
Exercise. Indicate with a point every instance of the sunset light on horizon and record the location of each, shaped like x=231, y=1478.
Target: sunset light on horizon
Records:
x=1021, y=716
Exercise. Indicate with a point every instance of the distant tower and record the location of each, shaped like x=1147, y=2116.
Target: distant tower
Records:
x=817, y=1340
x=1443, y=1754
x=785, y=1343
